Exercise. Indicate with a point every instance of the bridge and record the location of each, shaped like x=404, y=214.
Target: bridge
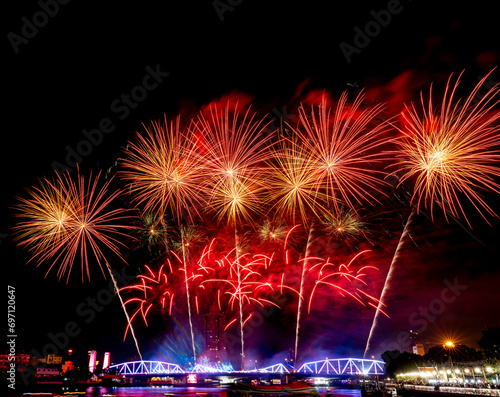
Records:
x=338, y=366
x=147, y=368
x=343, y=366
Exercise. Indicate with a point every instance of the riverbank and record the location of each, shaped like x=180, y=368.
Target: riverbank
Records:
x=451, y=391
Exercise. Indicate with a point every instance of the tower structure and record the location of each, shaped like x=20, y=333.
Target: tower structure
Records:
x=106, y=360
x=215, y=344
x=92, y=360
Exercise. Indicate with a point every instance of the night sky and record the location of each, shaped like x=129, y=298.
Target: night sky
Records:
x=70, y=74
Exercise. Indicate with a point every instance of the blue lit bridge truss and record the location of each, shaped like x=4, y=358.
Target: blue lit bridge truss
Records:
x=203, y=368
x=207, y=369
x=343, y=366
x=146, y=368
x=275, y=369
x=338, y=366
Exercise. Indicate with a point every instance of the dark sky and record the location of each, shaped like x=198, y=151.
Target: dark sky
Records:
x=68, y=74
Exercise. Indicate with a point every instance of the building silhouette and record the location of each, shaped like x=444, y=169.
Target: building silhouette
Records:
x=216, y=351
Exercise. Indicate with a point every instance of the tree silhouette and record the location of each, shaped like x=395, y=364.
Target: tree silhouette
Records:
x=490, y=342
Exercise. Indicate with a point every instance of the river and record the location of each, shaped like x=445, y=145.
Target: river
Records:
x=157, y=391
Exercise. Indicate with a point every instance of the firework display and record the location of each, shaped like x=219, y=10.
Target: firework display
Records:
x=67, y=219
x=452, y=153
x=237, y=219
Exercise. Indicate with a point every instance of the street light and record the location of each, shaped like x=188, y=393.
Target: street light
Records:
x=477, y=370
x=449, y=345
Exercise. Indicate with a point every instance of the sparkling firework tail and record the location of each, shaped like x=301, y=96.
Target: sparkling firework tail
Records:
x=301, y=290
x=117, y=290
x=388, y=279
x=240, y=301
x=187, y=295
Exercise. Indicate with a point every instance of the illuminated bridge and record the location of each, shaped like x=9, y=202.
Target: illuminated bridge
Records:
x=147, y=368
x=343, y=366
x=338, y=366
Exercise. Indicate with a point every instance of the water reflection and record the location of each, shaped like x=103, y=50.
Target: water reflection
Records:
x=157, y=391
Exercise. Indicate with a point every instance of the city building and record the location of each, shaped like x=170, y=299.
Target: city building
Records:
x=53, y=359
x=427, y=345
x=4, y=361
x=67, y=366
x=19, y=359
x=418, y=348
x=45, y=371
x=214, y=336
x=50, y=359
x=23, y=359
x=413, y=337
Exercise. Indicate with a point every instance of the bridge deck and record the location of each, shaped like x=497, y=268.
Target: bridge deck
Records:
x=339, y=366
